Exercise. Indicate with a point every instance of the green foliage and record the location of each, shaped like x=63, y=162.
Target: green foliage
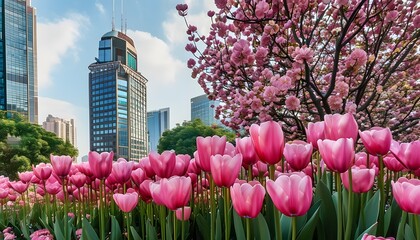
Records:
x=182, y=138
x=23, y=144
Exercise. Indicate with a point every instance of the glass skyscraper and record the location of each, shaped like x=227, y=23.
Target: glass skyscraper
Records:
x=117, y=99
x=157, y=123
x=18, y=68
x=204, y=109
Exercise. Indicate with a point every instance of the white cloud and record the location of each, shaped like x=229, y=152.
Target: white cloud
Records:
x=155, y=60
x=55, y=40
x=67, y=111
x=100, y=7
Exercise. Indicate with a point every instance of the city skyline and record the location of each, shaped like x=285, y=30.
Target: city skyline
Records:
x=68, y=34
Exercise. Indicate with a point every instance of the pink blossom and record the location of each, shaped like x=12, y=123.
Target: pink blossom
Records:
x=221, y=4
x=182, y=9
x=270, y=93
x=191, y=63
x=356, y=59
x=342, y=88
x=335, y=102
x=42, y=234
x=261, y=9
x=240, y=52
x=391, y=16
x=292, y=103
x=303, y=54
x=283, y=83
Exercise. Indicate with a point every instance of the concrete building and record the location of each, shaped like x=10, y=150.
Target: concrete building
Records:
x=18, y=61
x=64, y=129
x=117, y=99
x=157, y=123
x=204, y=109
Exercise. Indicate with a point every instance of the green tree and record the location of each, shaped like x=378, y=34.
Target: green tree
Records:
x=182, y=138
x=23, y=144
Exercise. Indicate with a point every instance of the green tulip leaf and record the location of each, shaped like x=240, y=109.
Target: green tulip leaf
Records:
x=408, y=233
x=88, y=230
x=58, y=232
x=372, y=210
x=327, y=212
x=115, y=229
x=24, y=228
x=218, y=226
x=239, y=227
x=203, y=227
x=371, y=231
x=307, y=231
x=150, y=231
x=392, y=215
x=261, y=228
x=134, y=233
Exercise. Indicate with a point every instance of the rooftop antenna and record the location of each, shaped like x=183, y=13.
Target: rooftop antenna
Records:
x=113, y=15
x=125, y=32
x=122, y=16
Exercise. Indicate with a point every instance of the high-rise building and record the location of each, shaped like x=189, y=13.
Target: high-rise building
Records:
x=204, y=109
x=157, y=123
x=18, y=68
x=117, y=99
x=64, y=129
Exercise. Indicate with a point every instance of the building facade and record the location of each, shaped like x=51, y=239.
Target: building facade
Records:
x=157, y=123
x=64, y=129
x=204, y=109
x=18, y=62
x=117, y=99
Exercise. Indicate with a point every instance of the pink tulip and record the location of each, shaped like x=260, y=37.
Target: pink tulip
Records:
x=61, y=165
x=244, y=146
x=392, y=163
x=409, y=154
x=156, y=192
x=187, y=214
x=138, y=176
x=340, y=126
x=19, y=186
x=52, y=186
x=122, y=170
x=193, y=166
x=209, y=146
x=3, y=193
x=298, y=154
x=407, y=194
x=291, y=193
x=268, y=141
x=371, y=237
x=314, y=132
x=85, y=169
x=362, y=179
x=337, y=155
x=163, y=164
x=126, y=202
x=247, y=199
x=377, y=141
x=181, y=164
x=101, y=164
x=147, y=168
x=42, y=234
x=25, y=176
x=144, y=190
x=42, y=171
x=78, y=179
x=225, y=169
x=176, y=191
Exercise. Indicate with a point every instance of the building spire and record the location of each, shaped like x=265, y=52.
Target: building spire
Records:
x=113, y=15
x=122, y=16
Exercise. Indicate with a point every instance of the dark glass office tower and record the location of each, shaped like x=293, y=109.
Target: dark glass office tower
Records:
x=117, y=99
x=18, y=68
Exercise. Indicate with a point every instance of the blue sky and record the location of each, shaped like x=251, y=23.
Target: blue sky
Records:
x=68, y=33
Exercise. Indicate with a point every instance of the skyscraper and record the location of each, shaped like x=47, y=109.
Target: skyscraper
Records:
x=157, y=123
x=64, y=129
x=18, y=68
x=117, y=99
x=204, y=109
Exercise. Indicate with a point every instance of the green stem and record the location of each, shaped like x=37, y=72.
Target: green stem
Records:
x=128, y=218
x=339, y=207
x=271, y=171
x=162, y=222
x=350, y=208
x=318, y=167
x=380, y=230
x=417, y=226
x=401, y=226
x=293, y=228
x=248, y=228
x=212, y=209
x=175, y=233
x=183, y=224
x=65, y=208
x=249, y=173
x=362, y=210
x=227, y=215
x=101, y=209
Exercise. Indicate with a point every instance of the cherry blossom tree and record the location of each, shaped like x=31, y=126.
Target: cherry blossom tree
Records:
x=297, y=60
